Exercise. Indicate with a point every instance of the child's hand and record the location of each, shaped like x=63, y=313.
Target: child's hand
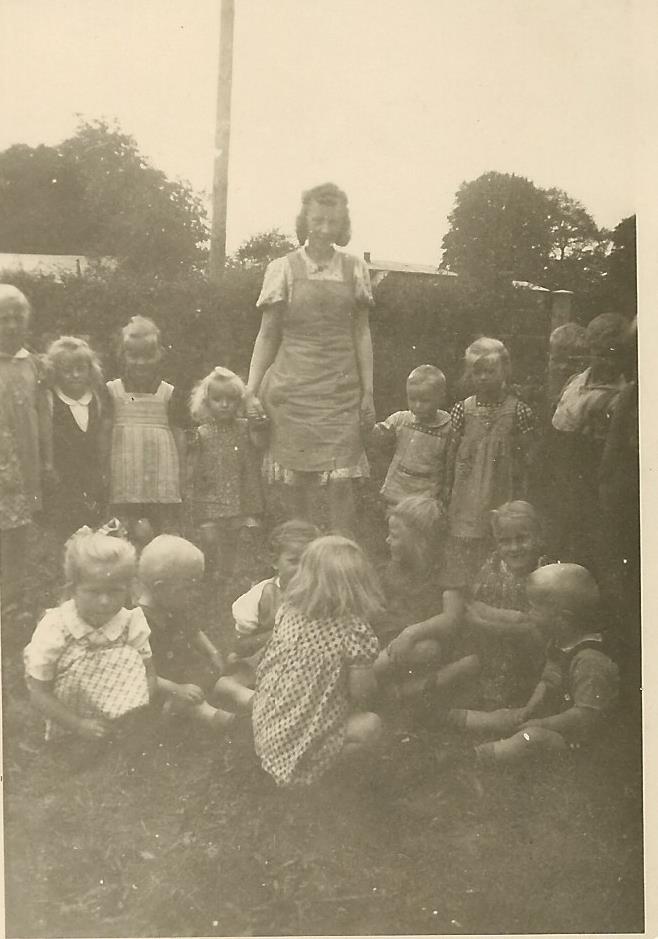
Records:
x=191, y=694
x=92, y=729
x=253, y=408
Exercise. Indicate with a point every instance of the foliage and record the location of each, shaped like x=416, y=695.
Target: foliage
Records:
x=499, y=229
x=622, y=267
x=262, y=248
x=96, y=194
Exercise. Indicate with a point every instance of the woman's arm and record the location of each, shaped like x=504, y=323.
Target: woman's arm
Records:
x=363, y=350
x=266, y=347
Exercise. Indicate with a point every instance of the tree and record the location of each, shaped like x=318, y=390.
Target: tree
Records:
x=262, y=248
x=96, y=194
x=622, y=267
x=499, y=229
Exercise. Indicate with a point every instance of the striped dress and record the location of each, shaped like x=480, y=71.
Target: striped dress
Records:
x=144, y=462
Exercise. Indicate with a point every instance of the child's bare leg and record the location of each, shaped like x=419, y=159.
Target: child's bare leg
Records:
x=522, y=746
x=342, y=507
x=13, y=549
x=445, y=680
x=485, y=723
x=214, y=718
x=234, y=694
x=425, y=652
x=364, y=733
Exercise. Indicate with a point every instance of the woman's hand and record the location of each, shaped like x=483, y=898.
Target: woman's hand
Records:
x=254, y=409
x=367, y=411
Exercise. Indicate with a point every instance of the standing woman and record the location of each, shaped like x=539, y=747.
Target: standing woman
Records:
x=312, y=361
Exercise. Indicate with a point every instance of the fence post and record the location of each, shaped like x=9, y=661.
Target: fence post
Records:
x=561, y=312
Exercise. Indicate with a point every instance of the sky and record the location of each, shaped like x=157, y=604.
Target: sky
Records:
x=397, y=102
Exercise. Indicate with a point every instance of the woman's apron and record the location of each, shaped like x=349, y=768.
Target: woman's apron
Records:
x=312, y=390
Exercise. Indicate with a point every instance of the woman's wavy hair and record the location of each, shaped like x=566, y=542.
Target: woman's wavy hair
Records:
x=426, y=523
x=199, y=396
x=517, y=509
x=326, y=194
x=335, y=580
x=87, y=549
x=75, y=344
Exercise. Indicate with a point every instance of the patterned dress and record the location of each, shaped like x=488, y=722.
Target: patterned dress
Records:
x=23, y=409
x=510, y=669
x=97, y=673
x=225, y=473
x=144, y=463
x=302, y=704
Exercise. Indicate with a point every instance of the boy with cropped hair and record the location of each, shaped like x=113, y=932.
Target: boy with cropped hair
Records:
x=421, y=439
x=579, y=686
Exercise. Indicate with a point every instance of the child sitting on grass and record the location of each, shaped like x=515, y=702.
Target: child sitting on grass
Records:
x=186, y=662
x=508, y=641
x=423, y=613
x=255, y=611
x=421, y=436
x=579, y=686
x=89, y=661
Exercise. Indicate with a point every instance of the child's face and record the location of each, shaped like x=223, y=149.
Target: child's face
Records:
x=101, y=592
x=179, y=591
x=73, y=373
x=141, y=360
x=287, y=563
x=223, y=403
x=324, y=222
x=518, y=545
x=13, y=326
x=399, y=539
x=424, y=399
x=488, y=377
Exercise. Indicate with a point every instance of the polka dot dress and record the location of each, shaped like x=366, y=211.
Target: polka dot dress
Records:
x=302, y=703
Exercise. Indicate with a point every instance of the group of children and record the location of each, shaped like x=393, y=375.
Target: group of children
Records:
x=467, y=620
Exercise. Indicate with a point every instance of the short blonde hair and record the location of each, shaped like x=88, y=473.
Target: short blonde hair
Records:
x=517, y=509
x=86, y=549
x=294, y=533
x=427, y=375
x=568, y=589
x=486, y=347
x=423, y=517
x=335, y=580
x=12, y=295
x=74, y=344
x=163, y=556
x=140, y=327
x=199, y=396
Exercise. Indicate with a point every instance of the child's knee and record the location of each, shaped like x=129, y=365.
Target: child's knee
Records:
x=425, y=652
x=541, y=738
x=365, y=730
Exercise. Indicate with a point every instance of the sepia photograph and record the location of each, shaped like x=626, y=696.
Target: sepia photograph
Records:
x=320, y=569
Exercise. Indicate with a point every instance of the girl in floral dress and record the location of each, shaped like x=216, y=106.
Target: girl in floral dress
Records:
x=89, y=660
x=223, y=491
x=316, y=679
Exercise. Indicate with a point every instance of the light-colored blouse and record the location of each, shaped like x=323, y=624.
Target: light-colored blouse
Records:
x=277, y=283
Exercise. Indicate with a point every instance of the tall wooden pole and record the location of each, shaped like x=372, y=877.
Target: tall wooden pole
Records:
x=222, y=142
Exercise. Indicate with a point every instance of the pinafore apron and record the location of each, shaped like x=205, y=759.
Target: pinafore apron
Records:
x=483, y=467
x=311, y=392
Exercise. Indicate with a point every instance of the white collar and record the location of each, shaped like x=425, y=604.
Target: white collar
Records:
x=21, y=354
x=78, y=628
x=84, y=401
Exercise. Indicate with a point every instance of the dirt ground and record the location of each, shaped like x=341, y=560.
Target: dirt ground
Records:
x=181, y=834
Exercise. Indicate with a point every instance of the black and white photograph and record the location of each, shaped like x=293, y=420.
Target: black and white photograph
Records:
x=321, y=574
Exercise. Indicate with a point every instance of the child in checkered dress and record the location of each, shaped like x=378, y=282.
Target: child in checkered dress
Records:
x=315, y=679
x=89, y=660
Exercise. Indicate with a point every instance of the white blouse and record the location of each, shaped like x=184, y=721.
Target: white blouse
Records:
x=277, y=283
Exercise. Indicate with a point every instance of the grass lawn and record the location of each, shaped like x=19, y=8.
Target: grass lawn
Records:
x=185, y=836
